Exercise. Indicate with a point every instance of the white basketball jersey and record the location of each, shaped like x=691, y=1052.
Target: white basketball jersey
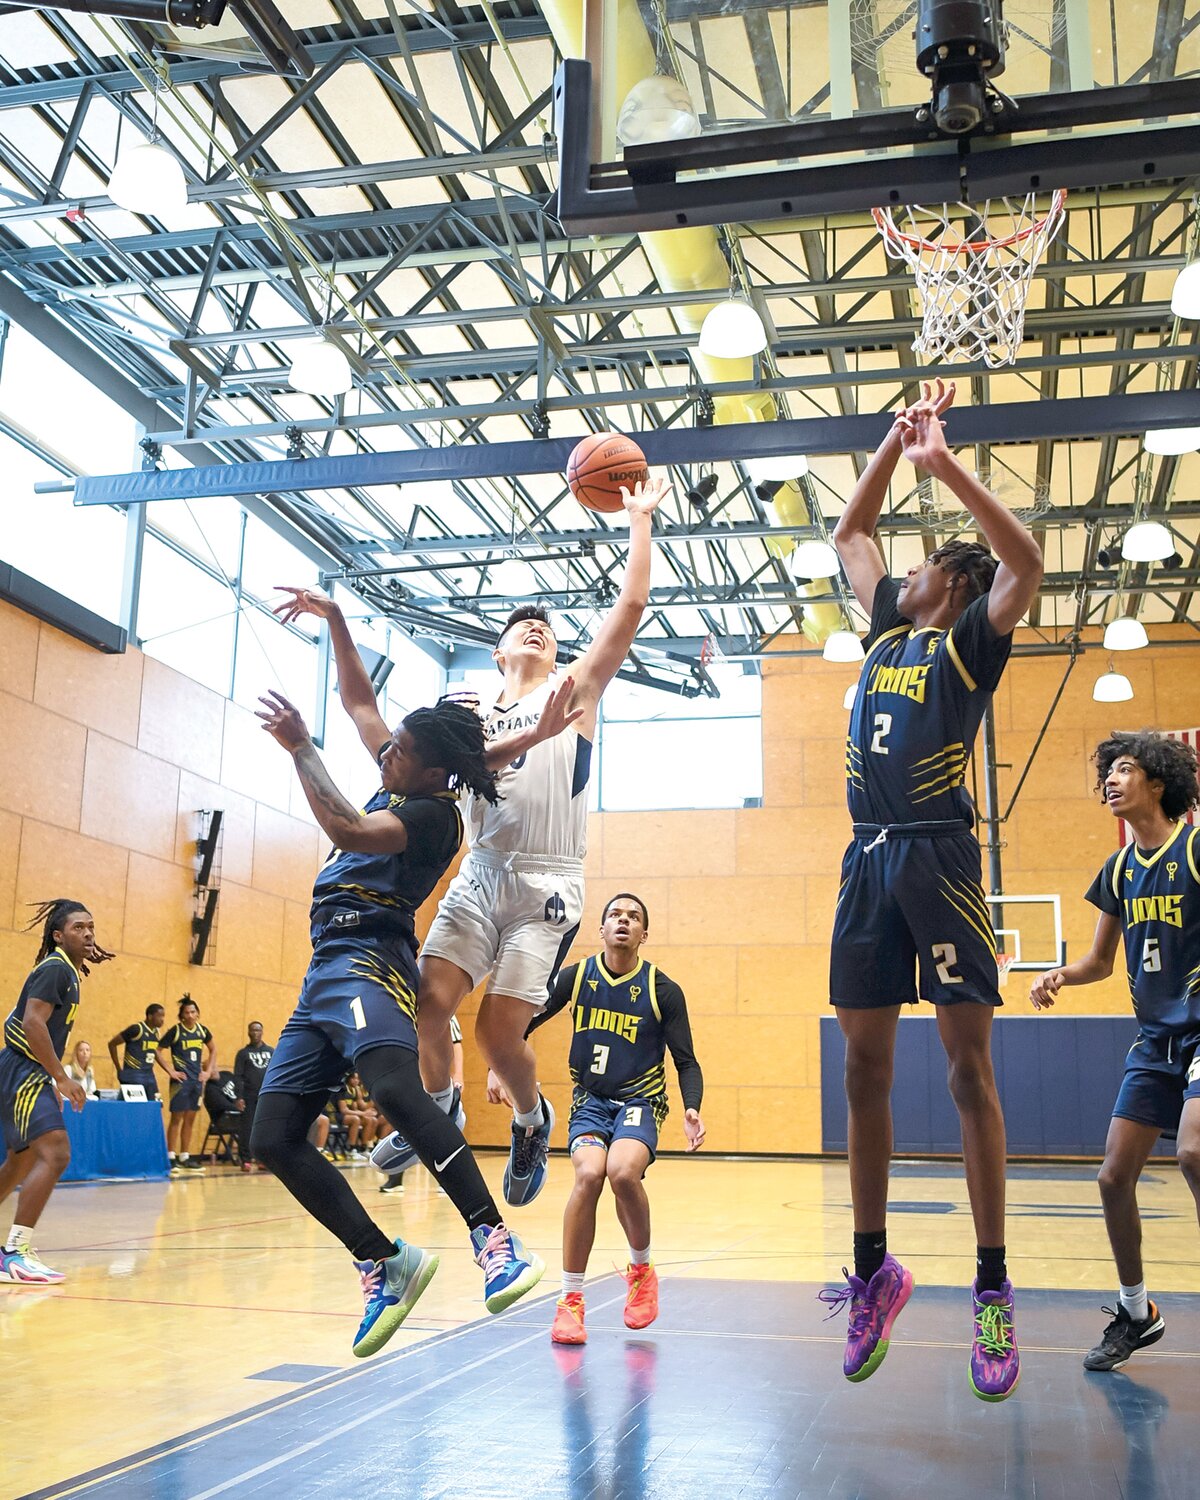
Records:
x=543, y=795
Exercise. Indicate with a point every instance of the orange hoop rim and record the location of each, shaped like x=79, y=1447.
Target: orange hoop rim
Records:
x=889, y=230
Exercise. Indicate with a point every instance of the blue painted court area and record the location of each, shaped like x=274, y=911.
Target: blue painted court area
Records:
x=736, y=1391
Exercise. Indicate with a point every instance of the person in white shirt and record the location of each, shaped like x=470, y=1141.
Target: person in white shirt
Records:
x=80, y=1068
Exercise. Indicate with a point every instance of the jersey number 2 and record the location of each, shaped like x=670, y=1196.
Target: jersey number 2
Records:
x=883, y=727
x=945, y=956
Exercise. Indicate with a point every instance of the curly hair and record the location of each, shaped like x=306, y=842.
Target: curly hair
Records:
x=969, y=561
x=1166, y=760
x=451, y=735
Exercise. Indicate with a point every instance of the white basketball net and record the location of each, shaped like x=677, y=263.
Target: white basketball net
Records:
x=974, y=264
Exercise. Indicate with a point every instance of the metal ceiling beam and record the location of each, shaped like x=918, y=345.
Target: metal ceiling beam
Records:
x=1005, y=422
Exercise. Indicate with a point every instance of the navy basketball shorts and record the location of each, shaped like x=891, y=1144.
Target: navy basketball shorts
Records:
x=1160, y=1077
x=147, y=1080
x=357, y=994
x=613, y=1120
x=912, y=908
x=185, y=1096
x=29, y=1106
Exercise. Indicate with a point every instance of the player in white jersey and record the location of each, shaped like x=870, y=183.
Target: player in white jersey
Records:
x=513, y=909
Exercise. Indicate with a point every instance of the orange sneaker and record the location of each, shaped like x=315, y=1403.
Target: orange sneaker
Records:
x=641, y=1303
x=568, y=1320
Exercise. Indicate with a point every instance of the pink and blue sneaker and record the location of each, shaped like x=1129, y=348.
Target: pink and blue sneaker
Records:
x=509, y=1270
x=995, y=1361
x=390, y=1291
x=874, y=1307
x=24, y=1268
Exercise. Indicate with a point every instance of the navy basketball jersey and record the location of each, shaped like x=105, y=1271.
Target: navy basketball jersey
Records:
x=921, y=697
x=1156, y=897
x=393, y=886
x=56, y=981
x=618, y=1044
x=140, y=1040
x=187, y=1047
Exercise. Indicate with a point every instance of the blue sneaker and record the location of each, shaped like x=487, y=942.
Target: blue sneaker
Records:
x=525, y=1175
x=509, y=1270
x=393, y=1153
x=390, y=1291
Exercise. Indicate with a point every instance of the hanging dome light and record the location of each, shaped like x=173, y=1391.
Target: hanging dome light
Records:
x=319, y=368
x=1172, y=440
x=843, y=645
x=1148, y=541
x=813, y=558
x=1185, y=297
x=732, y=330
x=1125, y=634
x=781, y=469
x=851, y=695
x=657, y=109
x=148, y=180
x=1112, y=687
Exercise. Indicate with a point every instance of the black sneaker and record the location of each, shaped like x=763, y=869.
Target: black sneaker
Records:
x=192, y=1165
x=394, y=1183
x=1123, y=1338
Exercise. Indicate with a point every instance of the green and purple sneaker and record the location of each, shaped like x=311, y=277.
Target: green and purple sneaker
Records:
x=874, y=1307
x=995, y=1361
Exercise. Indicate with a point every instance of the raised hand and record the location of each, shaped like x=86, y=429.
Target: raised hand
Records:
x=283, y=720
x=921, y=428
x=555, y=716
x=1045, y=989
x=646, y=495
x=302, y=602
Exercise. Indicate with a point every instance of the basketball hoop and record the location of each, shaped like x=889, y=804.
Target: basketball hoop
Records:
x=973, y=289
x=1004, y=962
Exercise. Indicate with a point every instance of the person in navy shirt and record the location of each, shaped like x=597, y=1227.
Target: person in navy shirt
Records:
x=1148, y=897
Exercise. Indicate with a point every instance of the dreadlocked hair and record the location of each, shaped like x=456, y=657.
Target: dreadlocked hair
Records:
x=523, y=612
x=1166, y=760
x=52, y=914
x=969, y=561
x=185, y=1000
x=451, y=735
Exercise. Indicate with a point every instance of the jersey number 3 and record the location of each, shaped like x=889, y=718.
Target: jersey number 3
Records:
x=883, y=727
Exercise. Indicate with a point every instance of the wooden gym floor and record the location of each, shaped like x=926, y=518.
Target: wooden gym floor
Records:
x=201, y=1347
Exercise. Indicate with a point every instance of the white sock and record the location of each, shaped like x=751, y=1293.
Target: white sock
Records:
x=19, y=1238
x=1135, y=1302
x=572, y=1282
x=639, y=1257
x=183, y=1156
x=443, y=1097
x=532, y=1117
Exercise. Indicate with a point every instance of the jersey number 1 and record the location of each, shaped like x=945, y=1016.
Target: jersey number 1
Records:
x=356, y=1010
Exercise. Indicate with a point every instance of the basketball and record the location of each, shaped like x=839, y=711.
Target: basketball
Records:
x=600, y=465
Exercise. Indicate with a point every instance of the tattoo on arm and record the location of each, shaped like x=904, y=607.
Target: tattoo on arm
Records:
x=331, y=810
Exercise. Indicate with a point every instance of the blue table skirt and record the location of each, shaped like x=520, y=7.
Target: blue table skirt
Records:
x=113, y=1138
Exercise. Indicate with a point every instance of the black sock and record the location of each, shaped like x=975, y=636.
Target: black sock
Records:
x=990, y=1270
x=393, y=1078
x=869, y=1249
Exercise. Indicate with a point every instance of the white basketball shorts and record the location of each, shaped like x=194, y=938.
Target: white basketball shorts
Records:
x=512, y=917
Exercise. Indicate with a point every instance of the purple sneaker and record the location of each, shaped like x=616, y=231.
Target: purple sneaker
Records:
x=995, y=1362
x=873, y=1310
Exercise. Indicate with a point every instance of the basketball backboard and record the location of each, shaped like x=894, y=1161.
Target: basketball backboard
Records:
x=708, y=111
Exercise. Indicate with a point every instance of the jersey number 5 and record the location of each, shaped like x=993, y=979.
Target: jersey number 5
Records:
x=1151, y=957
x=883, y=727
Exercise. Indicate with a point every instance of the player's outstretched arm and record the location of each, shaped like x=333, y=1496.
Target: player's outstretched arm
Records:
x=354, y=685
x=1020, y=572
x=604, y=657
x=1093, y=966
x=556, y=716
x=854, y=535
x=347, y=828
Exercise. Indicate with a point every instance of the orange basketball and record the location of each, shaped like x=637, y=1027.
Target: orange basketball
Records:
x=600, y=465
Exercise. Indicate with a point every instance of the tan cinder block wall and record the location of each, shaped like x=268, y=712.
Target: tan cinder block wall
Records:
x=104, y=760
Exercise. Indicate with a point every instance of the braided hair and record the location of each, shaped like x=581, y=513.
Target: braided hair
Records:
x=451, y=735
x=969, y=561
x=1162, y=759
x=52, y=915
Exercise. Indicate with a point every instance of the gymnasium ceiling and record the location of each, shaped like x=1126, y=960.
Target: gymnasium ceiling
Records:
x=403, y=193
